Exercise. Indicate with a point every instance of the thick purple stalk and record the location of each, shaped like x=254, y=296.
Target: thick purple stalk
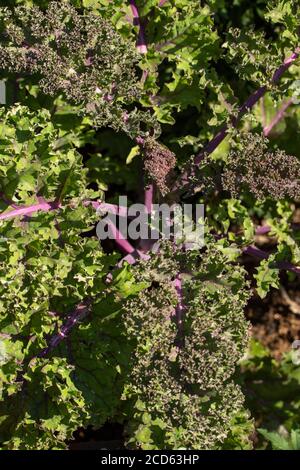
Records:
x=141, y=41
x=220, y=136
x=22, y=211
x=261, y=254
x=145, y=245
x=120, y=240
x=44, y=206
x=278, y=117
x=80, y=312
x=149, y=190
x=264, y=229
x=286, y=64
x=106, y=207
x=53, y=205
x=148, y=198
x=246, y=106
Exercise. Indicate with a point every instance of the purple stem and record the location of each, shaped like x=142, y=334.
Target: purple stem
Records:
x=141, y=41
x=162, y=2
x=246, y=106
x=120, y=240
x=264, y=229
x=146, y=244
x=123, y=244
x=280, y=115
x=80, y=312
x=112, y=208
x=21, y=211
x=48, y=206
x=148, y=198
x=286, y=64
x=261, y=254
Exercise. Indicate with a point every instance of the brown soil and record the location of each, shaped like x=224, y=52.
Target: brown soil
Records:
x=276, y=319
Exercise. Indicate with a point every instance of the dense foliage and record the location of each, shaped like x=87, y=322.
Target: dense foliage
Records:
x=181, y=371
x=182, y=101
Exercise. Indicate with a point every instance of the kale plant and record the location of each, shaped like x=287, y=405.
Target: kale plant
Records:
x=151, y=334
x=185, y=356
x=80, y=55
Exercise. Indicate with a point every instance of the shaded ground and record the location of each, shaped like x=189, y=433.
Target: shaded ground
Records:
x=276, y=319
x=110, y=436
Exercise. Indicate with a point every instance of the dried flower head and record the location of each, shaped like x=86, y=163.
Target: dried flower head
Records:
x=261, y=172
x=159, y=162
